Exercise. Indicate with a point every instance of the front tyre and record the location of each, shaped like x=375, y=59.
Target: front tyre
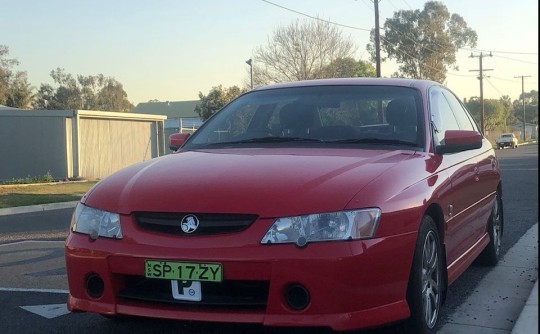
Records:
x=425, y=290
x=490, y=254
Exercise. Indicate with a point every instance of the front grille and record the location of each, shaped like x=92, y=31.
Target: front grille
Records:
x=165, y=222
x=222, y=295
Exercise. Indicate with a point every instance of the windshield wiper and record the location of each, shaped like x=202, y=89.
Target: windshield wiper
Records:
x=374, y=141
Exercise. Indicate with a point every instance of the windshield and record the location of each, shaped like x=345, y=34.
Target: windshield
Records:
x=319, y=115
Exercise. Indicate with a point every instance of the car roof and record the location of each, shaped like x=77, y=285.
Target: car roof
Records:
x=415, y=83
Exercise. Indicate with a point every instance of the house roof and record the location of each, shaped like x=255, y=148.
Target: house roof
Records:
x=171, y=109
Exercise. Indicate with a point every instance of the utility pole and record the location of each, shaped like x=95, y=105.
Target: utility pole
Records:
x=523, y=98
x=377, y=40
x=481, y=77
x=250, y=63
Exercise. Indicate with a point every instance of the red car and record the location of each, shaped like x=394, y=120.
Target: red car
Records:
x=341, y=203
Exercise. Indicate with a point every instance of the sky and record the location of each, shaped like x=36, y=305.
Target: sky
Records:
x=171, y=50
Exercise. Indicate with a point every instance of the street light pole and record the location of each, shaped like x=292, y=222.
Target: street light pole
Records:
x=249, y=62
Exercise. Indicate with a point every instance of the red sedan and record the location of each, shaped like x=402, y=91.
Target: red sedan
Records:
x=346, y=203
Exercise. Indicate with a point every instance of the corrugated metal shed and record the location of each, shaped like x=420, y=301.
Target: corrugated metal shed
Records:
x=76, y=143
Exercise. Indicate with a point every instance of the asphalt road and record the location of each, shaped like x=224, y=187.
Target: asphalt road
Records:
x=32, y=271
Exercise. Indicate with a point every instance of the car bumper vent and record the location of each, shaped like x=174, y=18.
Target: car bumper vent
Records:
x=224, y=295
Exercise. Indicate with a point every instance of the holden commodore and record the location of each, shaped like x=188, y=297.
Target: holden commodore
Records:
x=341, y=203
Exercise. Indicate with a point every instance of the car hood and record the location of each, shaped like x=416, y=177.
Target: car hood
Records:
x=269, y=182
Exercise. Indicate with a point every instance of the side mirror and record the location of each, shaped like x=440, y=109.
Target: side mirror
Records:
x=177, y=139
x=459, y=140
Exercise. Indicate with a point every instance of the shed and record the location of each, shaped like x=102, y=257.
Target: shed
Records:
x=76, y=143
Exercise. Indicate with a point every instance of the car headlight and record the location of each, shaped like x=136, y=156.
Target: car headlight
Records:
x=96, y=223
x=342, y=225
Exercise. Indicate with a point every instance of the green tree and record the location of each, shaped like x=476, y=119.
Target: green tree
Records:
x=494, y=112
x=348, y=68
x=216, y=99
x=300, y=51
x=424, y=43
x=94, y=92
x=15, y=91
x=531, y=107
x=509, y=117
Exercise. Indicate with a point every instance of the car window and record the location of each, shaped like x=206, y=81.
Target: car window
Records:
x=318, y=114
x=464, y=120
x=442, y=117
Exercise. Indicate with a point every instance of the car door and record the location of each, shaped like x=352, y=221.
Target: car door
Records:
x=486, y=172
x=462, y=169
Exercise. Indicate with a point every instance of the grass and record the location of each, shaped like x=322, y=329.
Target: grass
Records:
x=32, y=194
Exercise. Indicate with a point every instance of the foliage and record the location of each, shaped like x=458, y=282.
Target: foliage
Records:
x=46, y=178
x=531, y=107
x=216, y=99
x=15, y=91
x=424, y=43
x=348, y=68
x=93, y=92
x=495, y=112
x=300, y=51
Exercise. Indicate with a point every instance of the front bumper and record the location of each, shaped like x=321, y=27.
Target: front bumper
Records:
x=351, y=284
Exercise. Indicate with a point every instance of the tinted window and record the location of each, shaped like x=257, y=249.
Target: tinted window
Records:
x=442, y=117
x=460, y=112
x=326, y=115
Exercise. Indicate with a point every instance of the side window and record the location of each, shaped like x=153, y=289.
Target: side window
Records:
x=460, y=112
x=442, y=117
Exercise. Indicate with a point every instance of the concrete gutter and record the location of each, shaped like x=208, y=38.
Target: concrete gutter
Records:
x=37, y=208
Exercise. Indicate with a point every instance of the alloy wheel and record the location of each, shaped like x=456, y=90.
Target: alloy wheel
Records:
x=431, y=280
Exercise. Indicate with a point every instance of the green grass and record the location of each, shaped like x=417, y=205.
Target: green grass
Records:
x=32, y=194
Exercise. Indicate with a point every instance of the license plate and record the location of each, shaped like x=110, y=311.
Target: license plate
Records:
x=183, y=271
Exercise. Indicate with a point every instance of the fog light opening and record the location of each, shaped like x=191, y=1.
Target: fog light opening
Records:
x=297, y=297
x=95, y=286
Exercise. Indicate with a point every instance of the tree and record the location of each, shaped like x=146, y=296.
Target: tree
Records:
x=300, y=51
x=216, y=99
x=19, y=93
x=15, y=91
x=531, y=107
x=424, y=43
x=93, y=92
x=509, y=117
x=494, y=112
x=348, y=68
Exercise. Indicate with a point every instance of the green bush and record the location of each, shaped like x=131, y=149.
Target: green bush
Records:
x=46, y=178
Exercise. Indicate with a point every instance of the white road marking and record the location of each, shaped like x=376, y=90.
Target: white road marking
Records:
x=48, y=311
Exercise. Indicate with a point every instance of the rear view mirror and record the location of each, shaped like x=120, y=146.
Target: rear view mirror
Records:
x=177, y=139
x=459, y=140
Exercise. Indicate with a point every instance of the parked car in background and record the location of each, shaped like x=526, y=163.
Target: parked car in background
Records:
x=343, y=203
x=507, y=140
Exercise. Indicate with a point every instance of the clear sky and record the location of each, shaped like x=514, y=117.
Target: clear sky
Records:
x=171, y=50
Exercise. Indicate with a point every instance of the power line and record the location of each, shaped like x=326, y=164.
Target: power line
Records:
x=369, y=30
x=508, y=52
x=315, y=18
x=491, y=84
x=382, y=37
x=519, y=60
